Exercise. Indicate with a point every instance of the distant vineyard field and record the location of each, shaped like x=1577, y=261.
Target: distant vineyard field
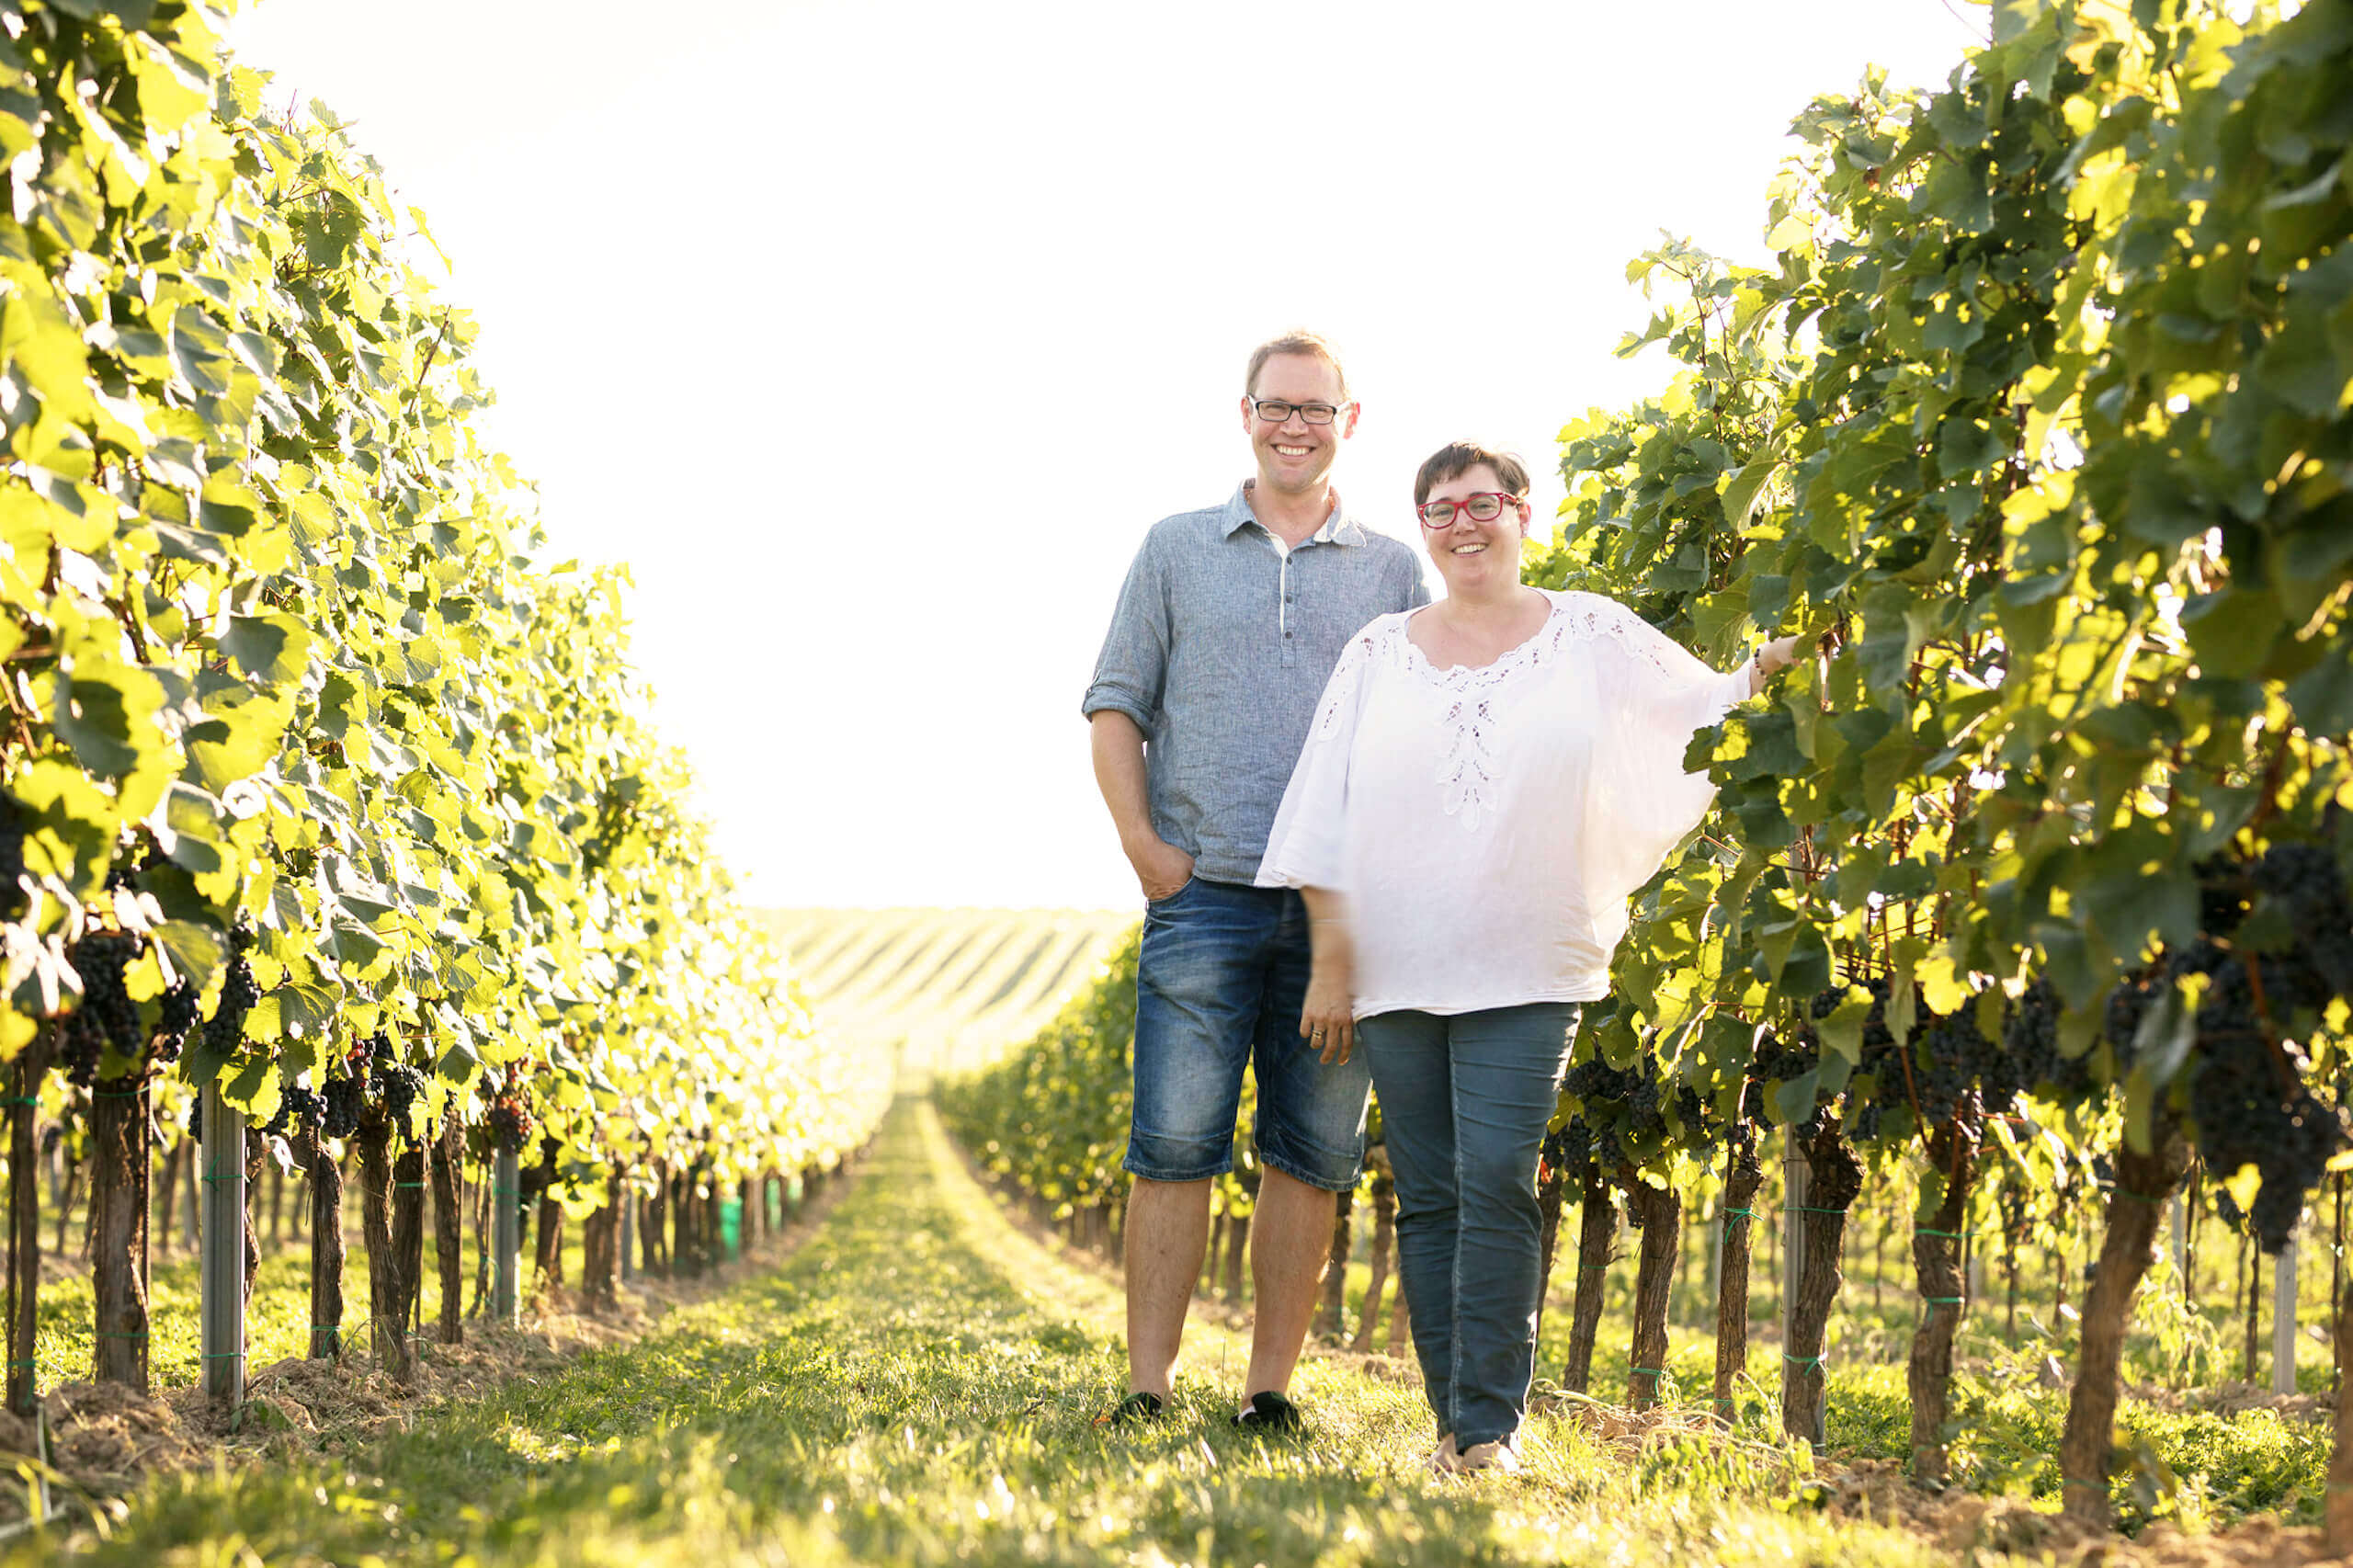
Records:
x=952, y=988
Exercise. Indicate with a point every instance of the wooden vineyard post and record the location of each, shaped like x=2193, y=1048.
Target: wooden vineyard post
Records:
x=2283, y=1319
x=326, y=1247
x=1736, y=1236
x=223, y=1157
x=628, y=1202
x=1597, y=1240
x=118, y=1168
x=2338, y=1505
x=2143, y=1182
x=448, y=1179
x=1795, y=1175
x=506, y=1236
x=1661, y=1212
x=2181, y=1242
x=24, y=1221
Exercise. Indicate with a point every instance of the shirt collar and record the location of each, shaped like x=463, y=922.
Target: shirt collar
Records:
x=1340, y=528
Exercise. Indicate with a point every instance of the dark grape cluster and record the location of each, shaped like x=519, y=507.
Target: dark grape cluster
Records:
x=2030, y=1042
x=510, y=1123
x=343, y=1096
x=13, y=898
x=226, y=1032
x=106, y=1016
x=2305, y=881
x=175, y=1019
x=399, y=1084
x=1624, y=1113
x=300, y=1110
x=2252, y=1105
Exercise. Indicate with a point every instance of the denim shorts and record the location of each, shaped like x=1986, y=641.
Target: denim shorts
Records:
x=1219, y=987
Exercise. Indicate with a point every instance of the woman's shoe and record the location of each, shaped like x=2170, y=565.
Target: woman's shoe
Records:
x=1498, y=1455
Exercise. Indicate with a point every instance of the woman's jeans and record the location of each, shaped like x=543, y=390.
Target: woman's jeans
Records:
x=1465, y=1100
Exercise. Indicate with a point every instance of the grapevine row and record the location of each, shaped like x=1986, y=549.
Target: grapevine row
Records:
x=320, y=792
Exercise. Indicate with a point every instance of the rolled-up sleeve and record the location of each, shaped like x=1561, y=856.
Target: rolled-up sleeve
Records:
x=1132, y=668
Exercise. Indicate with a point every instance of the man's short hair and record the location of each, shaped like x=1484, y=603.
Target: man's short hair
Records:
x=1299, y=342
x=1457, y=458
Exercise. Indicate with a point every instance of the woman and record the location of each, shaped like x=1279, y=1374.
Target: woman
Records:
x=1486, y=781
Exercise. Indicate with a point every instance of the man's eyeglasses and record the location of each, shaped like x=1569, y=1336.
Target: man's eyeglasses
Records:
x=1484, y=507
x=1275, y=411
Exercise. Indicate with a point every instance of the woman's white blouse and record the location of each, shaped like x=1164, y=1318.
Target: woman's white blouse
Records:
x=1488, y=825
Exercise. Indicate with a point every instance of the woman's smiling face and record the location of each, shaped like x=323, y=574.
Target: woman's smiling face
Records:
x=1472, y=555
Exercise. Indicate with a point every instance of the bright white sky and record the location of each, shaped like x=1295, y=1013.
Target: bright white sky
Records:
x=873, y=333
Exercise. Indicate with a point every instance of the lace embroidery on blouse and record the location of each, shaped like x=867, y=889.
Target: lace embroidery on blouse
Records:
x=1346, y=677
x=1467, y=772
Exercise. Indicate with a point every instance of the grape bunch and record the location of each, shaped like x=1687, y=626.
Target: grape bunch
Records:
x=2031, y=1044
x=510, y=1123
x=13, y=899
x=2252, y=1105
x=2306, y=879
x=344, y=1096
x=1624, y=1113
x=107, y=1016
x=177, y=1015
x=1568, y=1149
x=400, y=1086
x=226, y=1032
x=299, y=1111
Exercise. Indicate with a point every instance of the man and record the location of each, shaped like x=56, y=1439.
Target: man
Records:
x=1226, y=634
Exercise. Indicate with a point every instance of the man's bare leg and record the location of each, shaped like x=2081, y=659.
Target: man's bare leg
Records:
x=1291, y=1236
x=1167, y=1235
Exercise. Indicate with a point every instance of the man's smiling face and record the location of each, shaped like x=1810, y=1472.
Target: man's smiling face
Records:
x=1295, y=457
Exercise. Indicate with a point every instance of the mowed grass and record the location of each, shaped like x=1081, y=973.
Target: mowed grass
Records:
x=918, y=1383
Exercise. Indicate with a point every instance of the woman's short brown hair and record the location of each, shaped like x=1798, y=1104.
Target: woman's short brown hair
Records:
x=1457, y=458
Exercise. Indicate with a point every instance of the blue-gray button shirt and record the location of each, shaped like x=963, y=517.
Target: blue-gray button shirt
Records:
x=1220, y=649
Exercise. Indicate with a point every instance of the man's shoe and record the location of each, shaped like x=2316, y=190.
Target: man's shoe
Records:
x=1444, y=1460
x=1136, y=1407
x=1268, y=1412
x=1498, y=1455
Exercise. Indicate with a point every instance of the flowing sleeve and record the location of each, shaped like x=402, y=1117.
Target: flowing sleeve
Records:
x=1305, y=847
x=1653, y=695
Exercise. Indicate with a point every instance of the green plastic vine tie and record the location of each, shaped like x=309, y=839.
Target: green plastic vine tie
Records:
x=417, y=1184
x=1807, y=1209
x=223, y=1354
x=1649, y=1371
x=1932, y=1231
x=1944, y=1300
x=1802, y=1362
x=19, y=1100
x=1734, y=1216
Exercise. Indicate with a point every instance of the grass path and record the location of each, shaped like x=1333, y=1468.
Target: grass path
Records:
x=917, y=1383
